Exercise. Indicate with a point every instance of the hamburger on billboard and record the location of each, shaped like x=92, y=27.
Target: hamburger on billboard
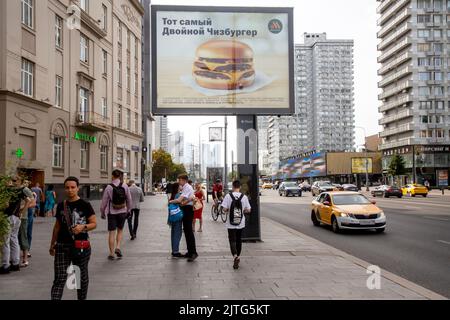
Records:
x=222, y=60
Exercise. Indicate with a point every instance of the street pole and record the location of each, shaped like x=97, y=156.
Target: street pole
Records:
x=232, y=166
x=367, y=172
x=225, y=179
x=200, y=149
x=414, y=164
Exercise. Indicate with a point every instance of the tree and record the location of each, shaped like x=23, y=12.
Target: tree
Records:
x=397, y=166
x=5, y=196
x=162, y=164
x=176, y=170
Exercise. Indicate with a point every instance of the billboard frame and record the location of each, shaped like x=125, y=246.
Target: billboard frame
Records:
x=221, y=111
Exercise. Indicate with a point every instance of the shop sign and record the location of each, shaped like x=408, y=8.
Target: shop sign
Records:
x=84, y=137
x=442, y=178
x=135, y=148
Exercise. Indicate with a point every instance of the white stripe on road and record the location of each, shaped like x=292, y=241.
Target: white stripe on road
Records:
x=430, y=218
x=442, y=241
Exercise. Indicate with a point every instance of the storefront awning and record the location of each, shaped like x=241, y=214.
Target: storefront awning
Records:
x=30, y=164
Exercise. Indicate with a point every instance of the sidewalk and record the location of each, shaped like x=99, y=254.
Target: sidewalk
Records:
x=287, y=265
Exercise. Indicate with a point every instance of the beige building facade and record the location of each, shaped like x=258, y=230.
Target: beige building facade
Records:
x=70, y=90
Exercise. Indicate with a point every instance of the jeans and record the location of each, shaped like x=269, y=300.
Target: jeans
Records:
x=188, y=217
x=133, y=229
x=176, y=233
x=11, y=248
x=30, y=225
x=235, y=239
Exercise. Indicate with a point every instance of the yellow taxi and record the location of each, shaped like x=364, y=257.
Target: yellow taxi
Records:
x=415, y=189
x=347, y=210
x=267, y=185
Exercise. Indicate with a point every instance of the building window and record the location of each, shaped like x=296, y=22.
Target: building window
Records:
x=437, y=19
x=438, y=91
x=128, y=120
x=27, y=13
x=128, y=40
x=136, y=47
x=119, y=116
x=105, y=62
x=84, y=101
x=119, y=158
x=27, y=77
x=424, y=91
x=119, y=73
x=426, y=133
x=423, y=47
x=425, y=119
x=84, y=48
x=423, y=18
x=437, y=47
x=439, y=105
x=128, y=78
x=128, y=162
x=119, y=31
x=104, y=108
x=437, y=33
x=105, y=17
x=438, y=76
x=439, y=133
x=438, y=4
x=136, y=87
x=57, y=152
x=424, y=4
x=425, y=105
x=58, y=91
x=424, y=76
x=136, y=122
x=437, y=61
x=103, y=158
x=58, y=31
x=84, y=155
x=84, y=4
x=423, y=62
x=423, y=33
x=136, y=164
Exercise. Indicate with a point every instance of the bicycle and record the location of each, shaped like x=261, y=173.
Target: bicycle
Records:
x=216, y=210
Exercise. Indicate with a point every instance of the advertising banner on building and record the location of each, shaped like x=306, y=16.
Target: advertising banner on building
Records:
x=362, y=165
x=222, y=60
x=303, y=167
x=442, y=178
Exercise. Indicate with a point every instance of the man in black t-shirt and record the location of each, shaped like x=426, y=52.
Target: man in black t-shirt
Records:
x=70, y=240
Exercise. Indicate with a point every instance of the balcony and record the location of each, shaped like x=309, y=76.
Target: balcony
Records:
x=393, y=77
x=388, y=13
x=395, y=117
x=399, y=88
x=399, y=46
x=384, y=5
x=399, y=129
x=394, y=63
x=396, y=144
x=396, y=103
x=92, y=121
x=394, y=36
x=391, y=25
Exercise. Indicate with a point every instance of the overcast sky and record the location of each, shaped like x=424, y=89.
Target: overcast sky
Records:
x=340, y=19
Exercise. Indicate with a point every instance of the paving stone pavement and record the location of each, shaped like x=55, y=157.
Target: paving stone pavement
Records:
x=286, y=265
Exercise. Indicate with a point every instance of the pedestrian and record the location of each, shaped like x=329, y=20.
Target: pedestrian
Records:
x=198, y=206
x=236, y=204
x=427, y=185
x=31, y=215
x=169, y=189
x=40, y=199
x=116, y=205
x=70, y=243
x=137, y=196
x=21, y=196
x=50, y=201
x=27, y=204
x=186, y=202
x=176, y=226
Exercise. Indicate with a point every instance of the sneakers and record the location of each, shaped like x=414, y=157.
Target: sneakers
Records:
x=236, y=263
x=177, y=255
x=15, y=268
x=192, y=257
x=118, y=253
x=4, y=270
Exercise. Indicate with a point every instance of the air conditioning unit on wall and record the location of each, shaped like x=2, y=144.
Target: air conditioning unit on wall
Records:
x=80, y=117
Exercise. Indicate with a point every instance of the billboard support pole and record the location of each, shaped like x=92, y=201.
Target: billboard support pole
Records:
x=247, y=167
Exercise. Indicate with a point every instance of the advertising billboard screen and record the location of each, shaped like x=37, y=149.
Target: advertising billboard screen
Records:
x=305, y=167
x=222, y=60
x=359, y=165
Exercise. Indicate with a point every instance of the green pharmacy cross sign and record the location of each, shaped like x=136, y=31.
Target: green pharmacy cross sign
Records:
x=85, y=137
x=19, y=153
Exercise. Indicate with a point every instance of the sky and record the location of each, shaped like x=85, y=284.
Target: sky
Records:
x=340, y=19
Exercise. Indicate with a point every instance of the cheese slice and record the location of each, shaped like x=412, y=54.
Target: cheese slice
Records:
x=233, y=75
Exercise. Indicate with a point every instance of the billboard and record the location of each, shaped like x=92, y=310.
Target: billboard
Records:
x=304, y=167
x=222, y=60
x=442, y=178
x=359, y=165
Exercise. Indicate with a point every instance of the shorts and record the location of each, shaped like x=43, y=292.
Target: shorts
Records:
x=116, y=221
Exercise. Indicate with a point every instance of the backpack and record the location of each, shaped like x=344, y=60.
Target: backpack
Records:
x=15, y=203
x=236, y=211
x=175, y=213
x=119, y=197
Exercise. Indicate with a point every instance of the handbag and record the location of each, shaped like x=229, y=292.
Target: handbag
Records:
x=175, y=213
x=80, y=247
x=198, y=205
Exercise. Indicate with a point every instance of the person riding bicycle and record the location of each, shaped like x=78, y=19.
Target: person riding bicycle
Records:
x=217, y=192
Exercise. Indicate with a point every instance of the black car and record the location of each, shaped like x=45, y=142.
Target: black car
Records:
x=387, y=191
x=350, y=187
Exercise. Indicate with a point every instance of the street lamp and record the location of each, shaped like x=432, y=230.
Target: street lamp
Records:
x=200, y=146
x=367, y=160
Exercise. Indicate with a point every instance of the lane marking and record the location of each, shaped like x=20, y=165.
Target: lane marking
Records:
x=438, y=219
x=442, y=241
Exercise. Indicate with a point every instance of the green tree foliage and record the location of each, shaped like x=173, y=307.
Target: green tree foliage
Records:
x=5, y=197
x=163, y=166
x=176, y=170
x=397, y=166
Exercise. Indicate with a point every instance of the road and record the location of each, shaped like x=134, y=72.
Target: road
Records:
x=416, y=244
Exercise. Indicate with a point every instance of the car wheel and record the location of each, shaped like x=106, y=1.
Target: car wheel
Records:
x=379, y=230
x=335, y=225
x=280, y=194
x=424, y=195
x=399, y=197
x=413, y=195
x=385, y=195
x=314, y=219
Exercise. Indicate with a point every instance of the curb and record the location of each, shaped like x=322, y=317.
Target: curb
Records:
x=431, y=295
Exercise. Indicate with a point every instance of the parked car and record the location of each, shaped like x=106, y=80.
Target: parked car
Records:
x=321, y=186
x=289, y=189
x=338, y=186
x=305, y=186
x=267, y=185
x=415, y=189
x=387, y=191
x=350, y=187
x=347, y=210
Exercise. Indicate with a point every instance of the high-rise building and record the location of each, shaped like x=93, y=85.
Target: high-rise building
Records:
x=162, y=134
x=70, y=90
x=415, y=81
x=176, y=146
x=324, y=106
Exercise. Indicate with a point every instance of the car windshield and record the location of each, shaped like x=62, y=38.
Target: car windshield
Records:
x=419, y=186
x=290, y=184
x=348, y=199
x=349, y=186
x=324, y=183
